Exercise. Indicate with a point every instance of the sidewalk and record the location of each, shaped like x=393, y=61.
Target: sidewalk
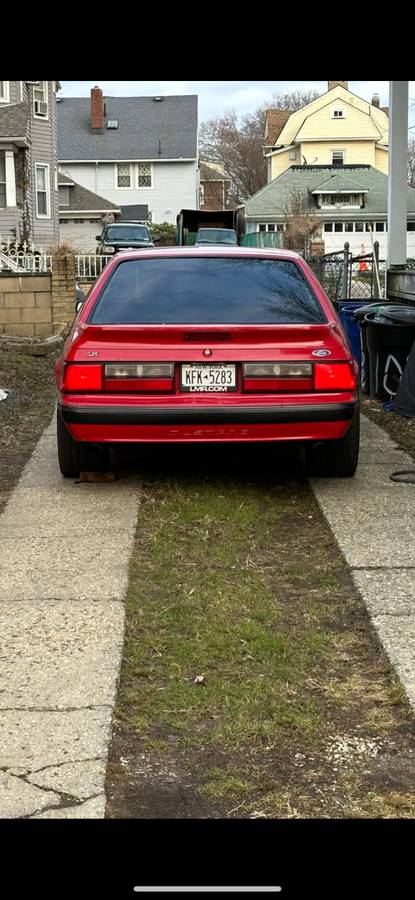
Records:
x=373, y=521
x=65, y=549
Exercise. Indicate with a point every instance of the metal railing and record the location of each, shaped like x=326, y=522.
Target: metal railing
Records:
x=89, y=265
x=23, y=257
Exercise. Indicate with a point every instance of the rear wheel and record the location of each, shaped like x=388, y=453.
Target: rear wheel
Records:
x=69, y=454
x=76, y=456
x=336, y=458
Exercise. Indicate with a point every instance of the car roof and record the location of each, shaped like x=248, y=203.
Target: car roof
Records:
x=126, y=222
x=219, y=250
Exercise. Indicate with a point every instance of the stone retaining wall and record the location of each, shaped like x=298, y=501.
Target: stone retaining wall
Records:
x=38, y=305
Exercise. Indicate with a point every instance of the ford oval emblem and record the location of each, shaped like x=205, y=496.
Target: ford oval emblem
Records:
x=321, y=353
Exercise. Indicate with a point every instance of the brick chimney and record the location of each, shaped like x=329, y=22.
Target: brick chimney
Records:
x=376, y=100
x=333, y=84
x=97, y=109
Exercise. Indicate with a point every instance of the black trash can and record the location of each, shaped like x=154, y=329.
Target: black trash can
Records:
x=360, y=315
x=390, y=334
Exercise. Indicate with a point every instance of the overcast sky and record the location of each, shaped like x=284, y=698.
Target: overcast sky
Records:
x=217, y=96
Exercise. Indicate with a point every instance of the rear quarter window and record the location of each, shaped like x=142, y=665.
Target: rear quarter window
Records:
x=207, y=290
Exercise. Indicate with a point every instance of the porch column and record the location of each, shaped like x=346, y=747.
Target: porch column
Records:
x=10, y=179
x=397, y=177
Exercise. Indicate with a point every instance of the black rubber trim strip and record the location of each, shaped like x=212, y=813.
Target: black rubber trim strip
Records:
x=206, y=415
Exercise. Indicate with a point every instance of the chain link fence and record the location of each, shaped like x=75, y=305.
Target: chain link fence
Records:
x=344, y=276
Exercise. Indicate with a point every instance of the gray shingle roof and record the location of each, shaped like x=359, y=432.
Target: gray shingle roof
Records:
x=80, y=200
x=338, y=181
x=13, y=120
x=147, y=129
x=273, y=199
x=64, y=179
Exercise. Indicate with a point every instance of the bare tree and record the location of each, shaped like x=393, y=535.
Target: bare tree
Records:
x=237, y=144
x=411, y=163
x=294, y=100
x=300, y=223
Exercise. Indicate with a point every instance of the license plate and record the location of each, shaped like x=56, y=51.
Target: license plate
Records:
x=208, y=377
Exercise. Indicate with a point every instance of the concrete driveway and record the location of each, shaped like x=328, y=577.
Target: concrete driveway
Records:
x=65, y=550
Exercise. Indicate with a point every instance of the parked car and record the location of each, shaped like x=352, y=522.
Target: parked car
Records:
x=208, y=344
x=79, y=295
x=209, y=236
x=124, y=236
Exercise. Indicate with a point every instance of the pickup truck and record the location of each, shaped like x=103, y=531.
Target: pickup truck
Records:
x=124, y=236
x=190, y=220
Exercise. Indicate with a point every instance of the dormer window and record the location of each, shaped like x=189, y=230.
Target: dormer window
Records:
x=341, y=199
x=338, y=114
x=40, y=100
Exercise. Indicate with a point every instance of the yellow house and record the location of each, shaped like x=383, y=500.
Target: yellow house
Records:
x=336, y=129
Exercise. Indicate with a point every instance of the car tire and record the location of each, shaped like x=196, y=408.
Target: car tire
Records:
x=69, y=451
x=75, y=456
x=338, y=458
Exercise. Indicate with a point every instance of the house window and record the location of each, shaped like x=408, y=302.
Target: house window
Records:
x=338, y=114
x=202, y=194
x=270, y=226
x=40, y=100
x=64, y=196
x=144, y=175
x=358, y=226
x=4, y=91
x=328, y=226
x=292, y=154
x=42, y=191
x=123, y=175
x=338, y=226
x=380, y=226
x=411, y=226
x=337, y=158
x=2, y=179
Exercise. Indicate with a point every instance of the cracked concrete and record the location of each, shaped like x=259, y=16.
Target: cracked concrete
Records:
x=64, y=575
x=373, y=521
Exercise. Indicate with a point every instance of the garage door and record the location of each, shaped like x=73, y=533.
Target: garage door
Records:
x=80, y=235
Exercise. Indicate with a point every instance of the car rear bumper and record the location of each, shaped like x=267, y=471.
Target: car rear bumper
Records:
x=207, y=423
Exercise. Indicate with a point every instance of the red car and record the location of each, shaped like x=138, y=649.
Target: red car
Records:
x=207, y=344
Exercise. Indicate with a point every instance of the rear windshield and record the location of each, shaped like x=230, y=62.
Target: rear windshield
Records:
x=216, y=236
x=127, y=233
x=202, y=290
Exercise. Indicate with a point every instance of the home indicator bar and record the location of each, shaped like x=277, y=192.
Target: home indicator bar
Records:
x=209, y=890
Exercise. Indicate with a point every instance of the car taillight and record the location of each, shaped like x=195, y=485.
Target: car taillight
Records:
x=140, y=377
x=334, y=377
x=78, y=377
x=268, y=376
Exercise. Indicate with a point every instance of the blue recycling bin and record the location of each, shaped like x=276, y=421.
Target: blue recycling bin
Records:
x=346, y=310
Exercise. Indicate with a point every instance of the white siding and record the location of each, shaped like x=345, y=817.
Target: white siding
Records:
x=44, y=150
x=174, y=186
x=334, y=241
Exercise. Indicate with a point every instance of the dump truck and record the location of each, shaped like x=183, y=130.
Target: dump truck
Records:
x=189, y=221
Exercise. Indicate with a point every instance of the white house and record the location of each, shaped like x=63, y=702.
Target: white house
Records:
x=132, y=150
